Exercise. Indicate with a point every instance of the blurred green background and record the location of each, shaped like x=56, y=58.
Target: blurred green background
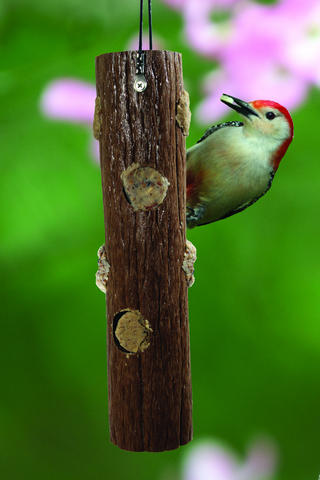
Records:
x=256, y=295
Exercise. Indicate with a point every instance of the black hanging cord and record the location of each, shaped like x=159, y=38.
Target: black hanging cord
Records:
x=141, y=25
x=140, y=83
x=150, y=24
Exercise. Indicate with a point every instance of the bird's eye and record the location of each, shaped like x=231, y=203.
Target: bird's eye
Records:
x=270, y=115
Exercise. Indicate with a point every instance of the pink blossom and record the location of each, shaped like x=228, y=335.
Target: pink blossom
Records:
x=261, y=461
x=252, y=66
x=94, y=150
x=212, y=461
x=182, y=4
x=301, y=53
x=264, y=51
x=270, y=83
x=209, y=461
x=204, y=35
x=178, y=4
x=290, y=37
x=71, y=100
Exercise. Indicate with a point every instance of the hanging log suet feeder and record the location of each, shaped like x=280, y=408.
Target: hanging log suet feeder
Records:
x=143, y=168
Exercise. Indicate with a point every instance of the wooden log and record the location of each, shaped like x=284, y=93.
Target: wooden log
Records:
x=143, y=167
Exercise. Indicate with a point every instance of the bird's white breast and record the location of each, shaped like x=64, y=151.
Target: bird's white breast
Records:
x=239, y=168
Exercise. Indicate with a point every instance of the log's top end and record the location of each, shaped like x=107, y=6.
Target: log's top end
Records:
x=149, y=53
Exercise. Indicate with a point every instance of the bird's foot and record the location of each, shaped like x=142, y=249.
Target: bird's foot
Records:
x=194, y=215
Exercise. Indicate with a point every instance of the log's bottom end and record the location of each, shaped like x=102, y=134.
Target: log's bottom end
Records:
x=151, y=449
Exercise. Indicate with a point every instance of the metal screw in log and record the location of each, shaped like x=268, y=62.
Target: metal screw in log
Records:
x=142, y=154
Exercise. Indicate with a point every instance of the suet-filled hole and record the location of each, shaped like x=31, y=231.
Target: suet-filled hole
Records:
x=131, y=331
x=144, y=187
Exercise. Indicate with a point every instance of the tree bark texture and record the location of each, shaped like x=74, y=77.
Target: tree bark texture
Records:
x=149, y=386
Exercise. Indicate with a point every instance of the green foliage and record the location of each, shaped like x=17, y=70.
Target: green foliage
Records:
x=254, y=309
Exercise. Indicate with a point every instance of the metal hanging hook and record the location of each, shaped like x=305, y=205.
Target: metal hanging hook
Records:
x=140, y=82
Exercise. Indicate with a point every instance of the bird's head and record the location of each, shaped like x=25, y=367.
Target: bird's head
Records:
x=266, y=121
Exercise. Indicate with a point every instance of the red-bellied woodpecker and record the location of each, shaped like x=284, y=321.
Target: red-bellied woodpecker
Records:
x=234, y=163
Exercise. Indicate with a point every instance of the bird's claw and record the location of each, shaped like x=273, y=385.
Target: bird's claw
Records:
x=194, y=214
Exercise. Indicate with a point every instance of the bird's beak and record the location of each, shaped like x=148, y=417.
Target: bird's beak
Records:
x=238, y=105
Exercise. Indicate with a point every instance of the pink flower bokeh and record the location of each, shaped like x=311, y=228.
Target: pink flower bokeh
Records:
x=263, y=51
x=69, y=99
x=213, y=461
x=73, y=101
x=259, y=52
